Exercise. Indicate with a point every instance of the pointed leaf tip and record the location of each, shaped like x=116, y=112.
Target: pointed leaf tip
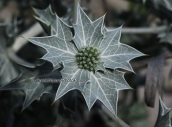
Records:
x=135, y=73
x=53, y=103
x=122, y=24
x=132, y=88
x=147, y=55
x=21, y=112
x=164, y=119
x=105, y=13
x=23, y=37
x=55, y=14
x=117, y=119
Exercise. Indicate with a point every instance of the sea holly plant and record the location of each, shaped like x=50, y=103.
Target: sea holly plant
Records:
x=90, y=58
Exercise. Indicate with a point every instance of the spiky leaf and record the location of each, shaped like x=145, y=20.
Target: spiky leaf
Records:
x=47, y=19
x=105, y=87
x=30, y=82
x=87, y=33
x=96, y=83
x=59, y=48
x=164, y=119
x=7, y=69
x=115, y=54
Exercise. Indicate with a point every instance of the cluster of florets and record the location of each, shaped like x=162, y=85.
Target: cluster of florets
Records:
x=88, y=58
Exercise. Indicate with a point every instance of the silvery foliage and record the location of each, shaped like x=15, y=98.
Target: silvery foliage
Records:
x=164, y=119
x=47, y=19
x=62, y=48
x=7, y=68
x=35, y=83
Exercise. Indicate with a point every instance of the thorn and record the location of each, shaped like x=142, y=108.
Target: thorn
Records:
x=21, y=112
x=82, y=92
x=53, y=70
x=122, y=24
x=132, y=88
x=146, y=55
x=88, y=112
x=23, y=37
x=135, y=73
x=117, y=120
x=55, y=13
x=105, y=13
x=170, y=110
x=49, y=5
x=41, y=59
x=38, y=100
x=53, y=103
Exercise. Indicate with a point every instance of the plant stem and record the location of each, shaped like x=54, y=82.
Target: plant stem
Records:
x=75, y=10
x=148, y=30
x=34, y=30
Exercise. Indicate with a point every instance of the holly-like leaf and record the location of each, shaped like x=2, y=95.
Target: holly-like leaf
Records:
x=30, y=82
x=115, y=54
x=86, y=58
x=47, y=19
x=87, y=32
x=164, y=119
x=7, y=69
x=105, y=87
x=79, y=77
x=59, y=48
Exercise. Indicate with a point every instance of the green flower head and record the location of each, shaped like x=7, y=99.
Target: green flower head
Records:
x=86, y=56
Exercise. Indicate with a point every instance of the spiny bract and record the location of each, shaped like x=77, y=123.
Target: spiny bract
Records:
x=86, y=56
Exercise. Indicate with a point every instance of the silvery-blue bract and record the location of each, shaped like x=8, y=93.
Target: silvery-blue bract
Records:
x=99, y=83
